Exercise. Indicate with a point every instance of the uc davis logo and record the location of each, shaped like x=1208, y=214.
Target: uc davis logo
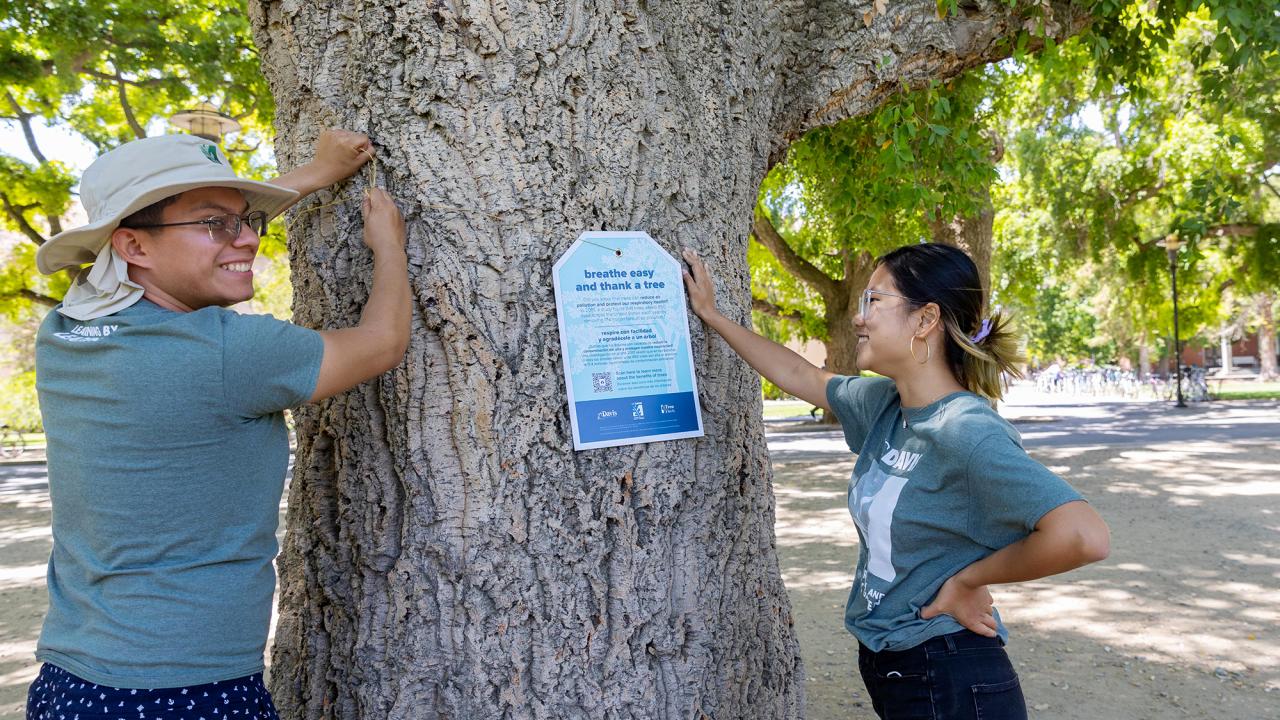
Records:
x=211, y=152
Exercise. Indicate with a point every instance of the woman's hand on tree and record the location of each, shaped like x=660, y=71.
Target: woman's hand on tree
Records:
x=701, y=289
x=969, y=605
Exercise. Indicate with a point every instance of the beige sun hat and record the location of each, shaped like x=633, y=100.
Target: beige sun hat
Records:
x=146, y=171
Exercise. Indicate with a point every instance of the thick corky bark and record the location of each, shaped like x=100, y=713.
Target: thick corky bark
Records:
x=448, y=554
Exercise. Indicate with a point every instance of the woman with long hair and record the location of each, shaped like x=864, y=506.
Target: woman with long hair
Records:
x=945, y=500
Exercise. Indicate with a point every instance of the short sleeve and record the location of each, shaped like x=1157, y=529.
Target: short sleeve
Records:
x=268, y=364
x=1009, y=491
x=857, y=401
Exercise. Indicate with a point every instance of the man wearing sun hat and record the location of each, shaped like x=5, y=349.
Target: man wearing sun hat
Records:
x=166, y=443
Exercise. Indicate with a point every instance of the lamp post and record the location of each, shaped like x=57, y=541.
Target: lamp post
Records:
x=1171, y=243
x=205, y=121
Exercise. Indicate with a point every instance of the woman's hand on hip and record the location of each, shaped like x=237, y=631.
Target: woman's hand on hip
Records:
x=969, y=605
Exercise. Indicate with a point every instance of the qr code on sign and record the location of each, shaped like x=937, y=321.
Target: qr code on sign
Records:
x=602, y=382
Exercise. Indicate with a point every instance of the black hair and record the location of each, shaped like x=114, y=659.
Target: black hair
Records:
x=946, y=276
x=149, y=215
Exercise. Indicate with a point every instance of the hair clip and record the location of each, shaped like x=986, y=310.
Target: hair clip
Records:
x=983, y=332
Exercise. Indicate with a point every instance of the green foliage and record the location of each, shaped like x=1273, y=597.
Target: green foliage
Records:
x=771, y=391
x=1058, y=327
x=19, y=407
x=1186, y=95
x=852, y=191
x=771, y=282
x=18, y=280
x=921, y=154
x=1085, y=205
x=1128, y=41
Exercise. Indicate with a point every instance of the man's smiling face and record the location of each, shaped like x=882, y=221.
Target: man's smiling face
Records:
x=192, y=267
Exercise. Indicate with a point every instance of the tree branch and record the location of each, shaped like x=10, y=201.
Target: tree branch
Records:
x=128, y=109
x=150, y=82
x=1233, y=230
x=1266, y=180
x=24, y=119
x=764, y=306
x=243, y=149
x=21, y=221
x=768, y=236
x=1226, y=230
x=835, y=64
x=34, y=296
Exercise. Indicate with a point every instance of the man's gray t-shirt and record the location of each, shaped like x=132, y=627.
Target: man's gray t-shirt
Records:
x=929, y=499
x=167, y=456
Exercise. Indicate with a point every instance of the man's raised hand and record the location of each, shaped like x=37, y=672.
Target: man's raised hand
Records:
x=339, y=154
x=383, y=223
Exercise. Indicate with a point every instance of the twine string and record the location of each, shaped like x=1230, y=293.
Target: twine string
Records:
x=615, y=251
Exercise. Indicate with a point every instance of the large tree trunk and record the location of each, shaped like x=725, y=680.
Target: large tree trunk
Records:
x=842, y=353
x=448, y=553
x=842, y=339
x=973, y=234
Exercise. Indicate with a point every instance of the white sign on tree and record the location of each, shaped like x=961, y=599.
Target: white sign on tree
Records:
x=624, y=340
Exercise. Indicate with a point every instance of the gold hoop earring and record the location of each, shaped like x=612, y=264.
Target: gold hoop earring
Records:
x=928, y=355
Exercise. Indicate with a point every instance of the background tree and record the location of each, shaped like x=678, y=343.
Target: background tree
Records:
x=110, y=73
x=1123, y=57
x=448, y=553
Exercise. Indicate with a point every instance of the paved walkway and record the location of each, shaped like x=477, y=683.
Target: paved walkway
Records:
x=1062, y=421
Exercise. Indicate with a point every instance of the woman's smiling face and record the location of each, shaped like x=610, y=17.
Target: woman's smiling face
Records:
x=883, y=326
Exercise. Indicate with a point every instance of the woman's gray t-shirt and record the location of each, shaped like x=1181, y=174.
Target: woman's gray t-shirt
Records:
x=928, y=499
x=167, y=457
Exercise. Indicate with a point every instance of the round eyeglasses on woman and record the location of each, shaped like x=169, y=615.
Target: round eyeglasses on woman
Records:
x=223, y=228
x=864, y=302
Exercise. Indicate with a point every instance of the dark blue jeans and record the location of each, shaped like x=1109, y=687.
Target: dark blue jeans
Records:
x=961, y=676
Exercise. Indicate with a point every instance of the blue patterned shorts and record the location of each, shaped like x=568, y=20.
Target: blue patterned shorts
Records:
x=57, y=694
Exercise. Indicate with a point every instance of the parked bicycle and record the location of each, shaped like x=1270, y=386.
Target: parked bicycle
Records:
x=1103, y=381
x=11, y=443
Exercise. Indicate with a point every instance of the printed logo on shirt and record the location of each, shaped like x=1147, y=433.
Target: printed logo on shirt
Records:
x=874, y=499
x=87, y=333
x=900, y=460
